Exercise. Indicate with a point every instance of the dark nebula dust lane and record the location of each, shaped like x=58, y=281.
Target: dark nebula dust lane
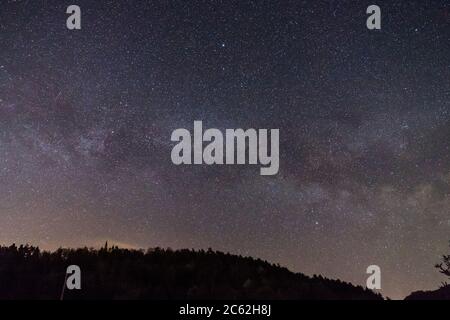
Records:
x=364, y=117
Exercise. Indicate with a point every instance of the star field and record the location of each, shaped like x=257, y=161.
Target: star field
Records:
x=364, y=118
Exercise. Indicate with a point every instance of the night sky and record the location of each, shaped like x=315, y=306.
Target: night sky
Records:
x=86, y=118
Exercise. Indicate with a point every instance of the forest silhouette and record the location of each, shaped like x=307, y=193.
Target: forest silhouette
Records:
x=26, y=272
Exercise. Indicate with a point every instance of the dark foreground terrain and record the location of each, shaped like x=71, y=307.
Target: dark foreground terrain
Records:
x=112, y=273
x=443, y=293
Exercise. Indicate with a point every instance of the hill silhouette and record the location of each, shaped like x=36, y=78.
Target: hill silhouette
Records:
x=443, y=293
x=26, y=272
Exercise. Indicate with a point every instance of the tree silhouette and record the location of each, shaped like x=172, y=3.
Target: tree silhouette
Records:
x=444, y=266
